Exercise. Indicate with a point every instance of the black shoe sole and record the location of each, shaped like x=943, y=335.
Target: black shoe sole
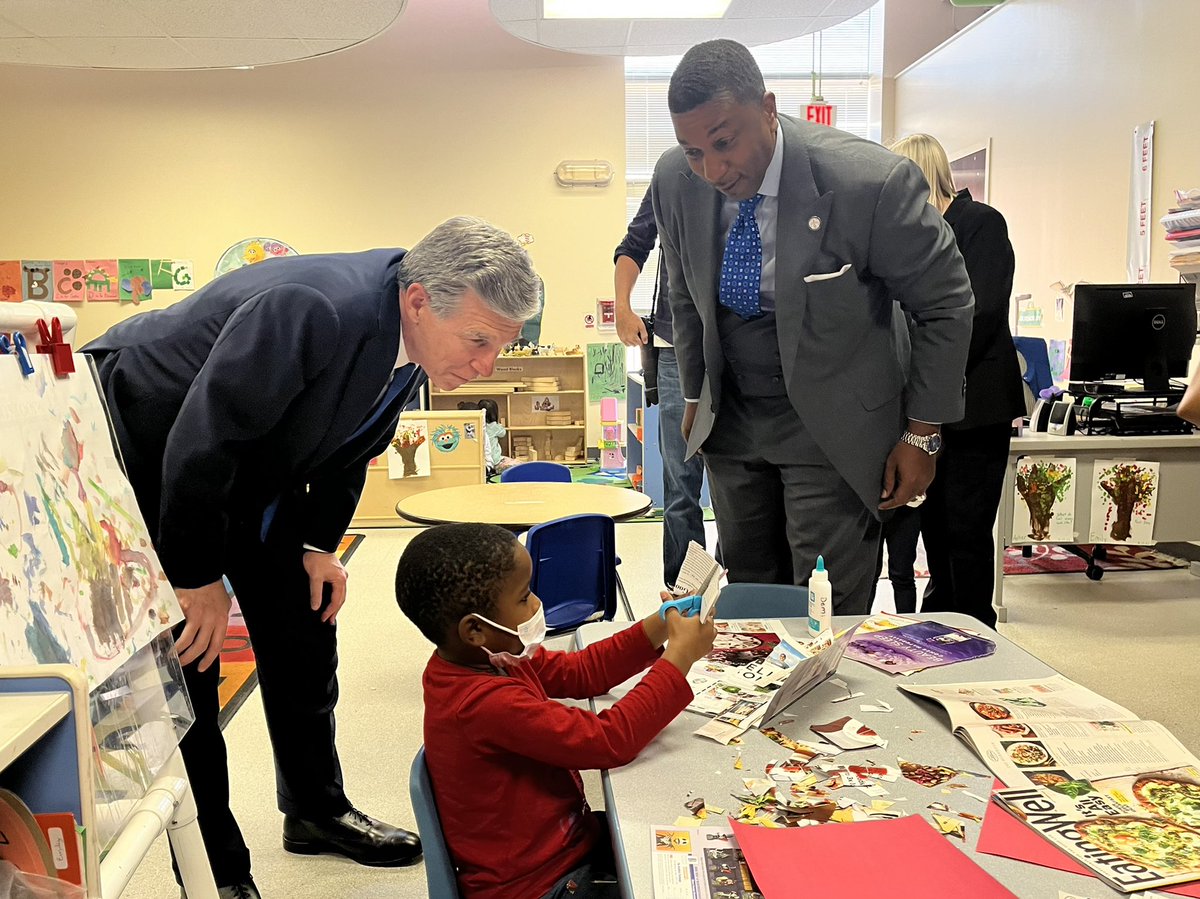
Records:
x=305, y=848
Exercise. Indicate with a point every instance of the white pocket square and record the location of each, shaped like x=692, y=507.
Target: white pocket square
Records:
x=809, y=279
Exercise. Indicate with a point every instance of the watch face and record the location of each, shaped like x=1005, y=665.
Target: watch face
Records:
x=935, y=443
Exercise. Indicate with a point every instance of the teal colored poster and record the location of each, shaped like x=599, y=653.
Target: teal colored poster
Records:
x=606, y=371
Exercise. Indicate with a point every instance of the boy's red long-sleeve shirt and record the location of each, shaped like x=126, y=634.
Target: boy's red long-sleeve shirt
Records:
x=504, y=757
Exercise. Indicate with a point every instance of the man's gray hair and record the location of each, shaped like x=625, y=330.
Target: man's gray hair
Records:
x=465, y=253
x=715, y=70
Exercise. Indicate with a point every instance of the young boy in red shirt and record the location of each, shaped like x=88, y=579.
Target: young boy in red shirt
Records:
x=503, y=756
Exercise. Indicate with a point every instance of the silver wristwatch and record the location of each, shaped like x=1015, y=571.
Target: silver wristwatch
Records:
x=931, y=443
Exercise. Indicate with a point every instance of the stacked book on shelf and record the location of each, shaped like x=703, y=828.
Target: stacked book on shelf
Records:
x=1183, y=231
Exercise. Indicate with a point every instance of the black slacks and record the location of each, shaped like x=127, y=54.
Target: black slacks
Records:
x=957, y=519
x=296, y=657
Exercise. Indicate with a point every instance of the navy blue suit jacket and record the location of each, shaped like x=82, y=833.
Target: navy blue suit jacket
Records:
x=245, y=395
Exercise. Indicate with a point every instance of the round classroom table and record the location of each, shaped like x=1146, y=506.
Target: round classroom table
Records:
x=521, y=504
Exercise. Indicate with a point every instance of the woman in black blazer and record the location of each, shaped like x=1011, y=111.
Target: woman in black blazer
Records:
x=961, y=503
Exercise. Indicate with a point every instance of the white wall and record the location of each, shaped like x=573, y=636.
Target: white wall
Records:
x=1058, y=86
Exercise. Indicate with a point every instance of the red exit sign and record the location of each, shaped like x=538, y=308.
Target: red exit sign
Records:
x=822, y=114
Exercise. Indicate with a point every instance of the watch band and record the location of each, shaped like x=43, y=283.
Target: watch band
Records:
x=926, y=443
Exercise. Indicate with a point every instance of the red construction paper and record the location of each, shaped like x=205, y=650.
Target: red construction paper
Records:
x=904, y=858
x=1004, y=835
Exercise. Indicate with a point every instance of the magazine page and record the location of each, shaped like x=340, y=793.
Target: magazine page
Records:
x=1136, y=832
x=917, y=646
x=807, y=674
x=1060, y=755
x=699, y=863
x=1053, y=698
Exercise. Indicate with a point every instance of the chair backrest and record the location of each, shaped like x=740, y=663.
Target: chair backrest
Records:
x=743, y=600
x=574, y=568
x=439, y=869
x=536, y=471
x=1036, y=369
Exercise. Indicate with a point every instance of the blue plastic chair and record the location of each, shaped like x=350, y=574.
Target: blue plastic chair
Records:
x=536, y=471
x=1036, y=374
x=439, y=869
x=744, y=600
x=575, y=571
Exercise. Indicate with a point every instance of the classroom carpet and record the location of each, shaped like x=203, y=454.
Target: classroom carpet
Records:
x=239, y=675
x=1056, y=560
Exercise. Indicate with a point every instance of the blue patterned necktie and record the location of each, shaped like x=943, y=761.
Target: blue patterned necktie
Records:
x=741, y=269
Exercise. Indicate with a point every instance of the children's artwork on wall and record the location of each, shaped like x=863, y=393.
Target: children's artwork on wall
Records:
x=470, y=431
x=160, y=274
x=182, y=276
x=80, y=582
x=446, y=438
x=1044, y=506
x=1060, y=360
x=37, y=280
x=606, y=371
x=1124, y=498
x=100, y=280
x=250, y=251
x=544, y=403
x=134, y=280
x=408, y=453
x=10, y=281
x=68, y=280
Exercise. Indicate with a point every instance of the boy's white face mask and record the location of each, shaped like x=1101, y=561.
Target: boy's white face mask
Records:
x=531, y=633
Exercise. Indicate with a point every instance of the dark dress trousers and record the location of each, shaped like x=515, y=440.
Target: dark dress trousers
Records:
x=957, y=518
x=240, y=414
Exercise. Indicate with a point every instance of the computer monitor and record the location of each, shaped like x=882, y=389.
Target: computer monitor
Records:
x=1143, y=332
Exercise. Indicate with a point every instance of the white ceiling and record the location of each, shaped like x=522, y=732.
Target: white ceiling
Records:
x=203, y=34
x=751, y=22
x=171, y=34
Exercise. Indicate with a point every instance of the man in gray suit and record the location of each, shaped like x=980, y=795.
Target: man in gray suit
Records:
x=786, y=244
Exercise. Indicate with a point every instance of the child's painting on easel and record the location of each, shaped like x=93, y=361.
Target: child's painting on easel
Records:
x=80, y=582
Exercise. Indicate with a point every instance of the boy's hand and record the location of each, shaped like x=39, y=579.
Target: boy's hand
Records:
x=655, y=624
x=688, y=640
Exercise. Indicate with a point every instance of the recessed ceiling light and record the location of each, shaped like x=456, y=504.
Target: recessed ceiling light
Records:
x=244, y=68
x=634, y=9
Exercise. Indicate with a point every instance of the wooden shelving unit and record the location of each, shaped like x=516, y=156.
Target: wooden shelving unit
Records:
x=514, y=384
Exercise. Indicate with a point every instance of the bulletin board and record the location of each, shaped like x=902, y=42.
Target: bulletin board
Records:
x=455, y=457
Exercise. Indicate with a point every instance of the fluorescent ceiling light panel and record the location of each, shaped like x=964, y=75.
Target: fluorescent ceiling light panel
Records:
x=634, y=9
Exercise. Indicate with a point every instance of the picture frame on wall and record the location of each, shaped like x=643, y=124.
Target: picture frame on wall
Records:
x=969, y=167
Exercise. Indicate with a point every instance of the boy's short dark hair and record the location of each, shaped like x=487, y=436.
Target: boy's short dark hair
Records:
x=715, y=70
x=451, y=571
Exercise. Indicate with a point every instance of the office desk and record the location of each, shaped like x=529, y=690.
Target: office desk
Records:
x=654, y=787
x=1176, y=518
x=522, y=504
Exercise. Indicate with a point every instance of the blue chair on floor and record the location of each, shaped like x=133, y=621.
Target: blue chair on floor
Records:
x=536, y=471
x=439, y=869
x=762, y=601
x=575, y=571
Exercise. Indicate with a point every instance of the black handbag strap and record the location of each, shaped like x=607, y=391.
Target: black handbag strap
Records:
x=657, y=286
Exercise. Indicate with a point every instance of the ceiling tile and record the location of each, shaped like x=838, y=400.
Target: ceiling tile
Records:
x=36, y=51
x=124, y=52
x=8, y=29
x=845, y=9
x=516, y=10
x=583, y=33
x=63, y=18
x=775, y=9
x=216, y=52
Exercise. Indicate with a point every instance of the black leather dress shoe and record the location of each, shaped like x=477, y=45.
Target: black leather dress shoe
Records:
x=245, y=890
x=354, y=835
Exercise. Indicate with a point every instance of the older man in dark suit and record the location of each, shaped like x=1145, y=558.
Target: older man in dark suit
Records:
x=247, y=415
x=786, y=245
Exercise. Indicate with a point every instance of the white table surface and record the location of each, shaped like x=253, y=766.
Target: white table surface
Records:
x=653, y=789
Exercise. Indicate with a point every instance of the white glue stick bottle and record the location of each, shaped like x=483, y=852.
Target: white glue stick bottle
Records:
x=820, y=600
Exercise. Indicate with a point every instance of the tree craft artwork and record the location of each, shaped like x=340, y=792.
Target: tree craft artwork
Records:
x=1131, y=487
x=405, y=443
x=1041, y=485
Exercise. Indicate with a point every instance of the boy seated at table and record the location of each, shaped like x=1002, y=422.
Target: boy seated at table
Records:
x=503, y=755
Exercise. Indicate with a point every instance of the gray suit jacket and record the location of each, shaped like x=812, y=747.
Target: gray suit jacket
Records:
x=853, y=211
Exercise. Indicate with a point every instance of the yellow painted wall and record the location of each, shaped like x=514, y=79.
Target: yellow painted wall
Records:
x=1058, y=86
x=369, y=147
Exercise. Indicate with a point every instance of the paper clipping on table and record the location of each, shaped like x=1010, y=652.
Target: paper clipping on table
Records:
x=915, y=646
x=700, y=576
x=699, y=863
x=807, y=674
